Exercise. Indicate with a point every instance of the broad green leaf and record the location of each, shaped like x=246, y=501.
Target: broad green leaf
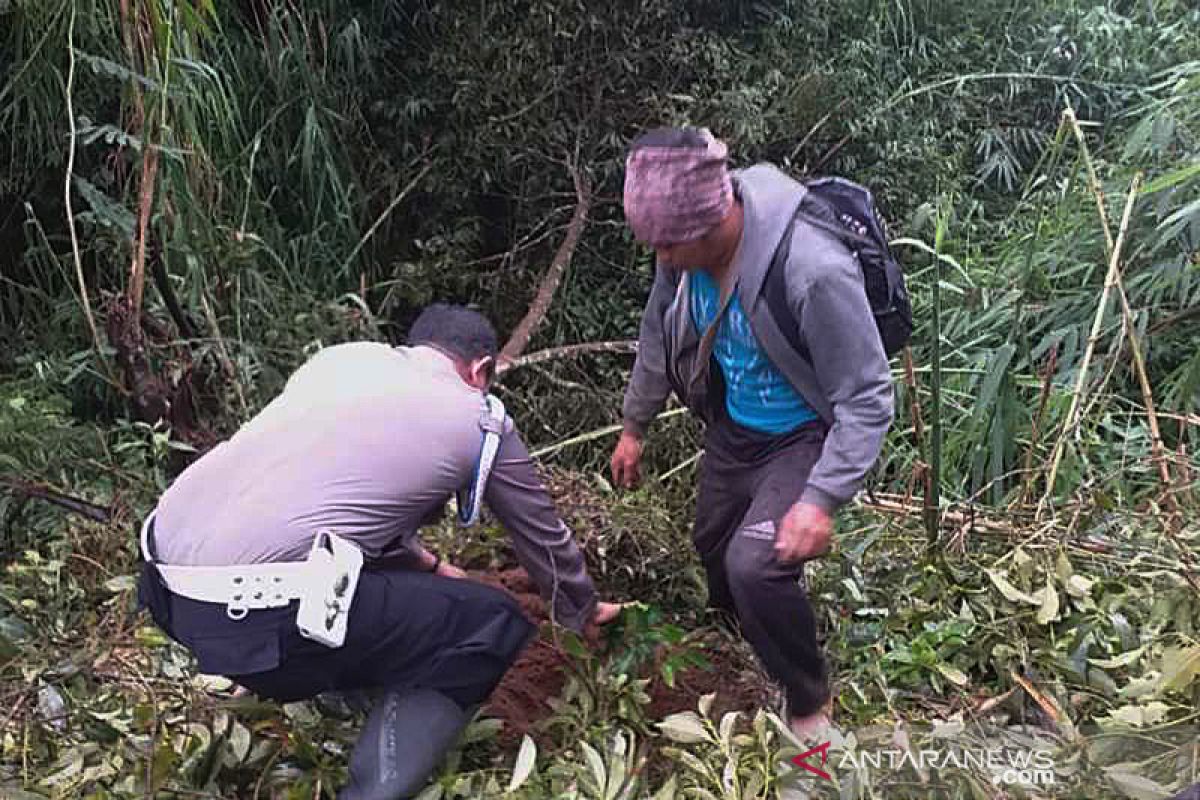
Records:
x=432, y=792
x=1123, y=660
x=526, y=758
x=694, y=763
x=121, y=583
x=1063, y=567
x=1136, y=787
x=482, y=729
x=1140, y=686
x=616, y=769
x=1180, y=668
x=684, y=727
x=239, y=741
x=668, y=790
x=596, y=763
x=1079, y=586
x=149, y=636
x=1049, y=609
x=952, y=674
x=726, y=729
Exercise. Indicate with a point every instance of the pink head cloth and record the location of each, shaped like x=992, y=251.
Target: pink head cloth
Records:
x=677, y=194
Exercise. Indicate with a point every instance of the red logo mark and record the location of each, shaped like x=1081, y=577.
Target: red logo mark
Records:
x=823, y=749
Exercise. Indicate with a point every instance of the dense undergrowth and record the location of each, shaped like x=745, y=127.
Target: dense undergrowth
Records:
x=1024, y=564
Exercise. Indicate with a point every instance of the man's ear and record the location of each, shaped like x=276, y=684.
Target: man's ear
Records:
x=482, y=371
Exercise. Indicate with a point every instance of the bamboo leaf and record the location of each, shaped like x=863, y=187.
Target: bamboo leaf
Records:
x=1172, y=179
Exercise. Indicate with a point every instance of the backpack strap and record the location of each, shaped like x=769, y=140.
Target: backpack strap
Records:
x=470, y=499
x=776, y=280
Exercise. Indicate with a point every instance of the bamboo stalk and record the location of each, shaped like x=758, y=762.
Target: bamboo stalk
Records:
x=1070, y=423
x=1139, y=361
x=921, y=468
x=83, y=292
x=1043, y=398
x=397, y=200
x=687, y=462
x=933, y=478
x=599, y=433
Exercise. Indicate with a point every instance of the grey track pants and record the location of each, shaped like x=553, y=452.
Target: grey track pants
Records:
x=741, y=502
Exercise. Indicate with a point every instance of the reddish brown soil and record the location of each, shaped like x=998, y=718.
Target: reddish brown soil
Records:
x=540, y=674
x=732, y=676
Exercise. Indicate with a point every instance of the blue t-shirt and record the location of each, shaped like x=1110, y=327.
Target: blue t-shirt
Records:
x=757, y=394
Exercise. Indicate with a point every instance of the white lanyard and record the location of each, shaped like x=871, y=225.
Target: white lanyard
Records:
x=470, y=499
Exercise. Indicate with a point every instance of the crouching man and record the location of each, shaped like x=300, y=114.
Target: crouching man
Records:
x=287, y=558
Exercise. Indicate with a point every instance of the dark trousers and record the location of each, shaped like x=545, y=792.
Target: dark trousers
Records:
x=407, y=630
x=744, y=493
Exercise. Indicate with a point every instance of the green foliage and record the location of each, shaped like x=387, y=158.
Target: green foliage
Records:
x=641, y=637
x=326, y=169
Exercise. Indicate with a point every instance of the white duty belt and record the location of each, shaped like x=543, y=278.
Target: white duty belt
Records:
x=470, y=499
x=324, y=584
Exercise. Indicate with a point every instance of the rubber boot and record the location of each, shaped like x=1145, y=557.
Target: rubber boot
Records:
x=405, y=737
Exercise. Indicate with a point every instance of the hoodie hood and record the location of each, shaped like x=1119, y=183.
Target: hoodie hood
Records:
x=769, y=201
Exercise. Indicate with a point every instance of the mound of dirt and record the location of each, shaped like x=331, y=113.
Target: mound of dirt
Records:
x=540, y=674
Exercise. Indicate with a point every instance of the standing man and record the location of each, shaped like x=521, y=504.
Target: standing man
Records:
x=789, y=434
x=288, y=557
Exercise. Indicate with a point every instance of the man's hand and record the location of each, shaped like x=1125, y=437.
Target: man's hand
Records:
x=448, y=570
x=607, y=612
x=804, y=533
x=604, y=614
x=625, y=459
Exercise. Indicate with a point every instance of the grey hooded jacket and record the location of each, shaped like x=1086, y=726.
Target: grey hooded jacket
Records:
x=848, y=382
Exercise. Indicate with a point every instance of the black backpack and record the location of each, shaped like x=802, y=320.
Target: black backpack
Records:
x=847, y=210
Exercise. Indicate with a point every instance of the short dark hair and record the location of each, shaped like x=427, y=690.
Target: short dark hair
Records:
x=686, y=137
x=460, y=331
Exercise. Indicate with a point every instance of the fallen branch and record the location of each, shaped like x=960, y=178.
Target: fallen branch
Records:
x=569, y=351
x=553, y=277
x=890, y=504
x=45, y=493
